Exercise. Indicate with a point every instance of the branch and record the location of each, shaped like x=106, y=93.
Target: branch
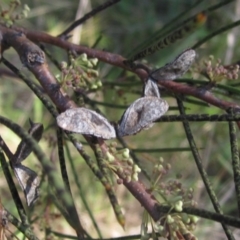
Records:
x=117, y=60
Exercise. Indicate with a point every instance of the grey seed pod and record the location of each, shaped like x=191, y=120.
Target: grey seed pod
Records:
x=85, y=121
x=141, y=114
x=24, y=149
x=151, y=89
x=176, y=68
x=29, y=182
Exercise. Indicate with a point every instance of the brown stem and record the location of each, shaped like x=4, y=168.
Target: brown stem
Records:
x=117, y=60
x=198, y=93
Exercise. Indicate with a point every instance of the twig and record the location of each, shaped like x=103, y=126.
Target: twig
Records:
x=87, y=16
x=25, y=229
x=13, y=189
x=160, y=150
x=224, y=219
x=202, y=171
x=62, y=160
x=235, y=161
x=215, y=33
x=81, y=192
x=200, y=118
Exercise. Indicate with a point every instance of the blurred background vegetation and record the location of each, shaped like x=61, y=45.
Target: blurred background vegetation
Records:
x=120, y=29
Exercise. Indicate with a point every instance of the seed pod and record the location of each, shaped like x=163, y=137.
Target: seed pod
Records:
x=151, y=89
x=141, y=114
x=28, y=181
x=176, y=68
x=23, y=149
x=85, y=121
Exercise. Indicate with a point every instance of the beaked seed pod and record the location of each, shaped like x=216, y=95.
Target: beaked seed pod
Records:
x=141, y=114
x=85, y=121
x=176, y=68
